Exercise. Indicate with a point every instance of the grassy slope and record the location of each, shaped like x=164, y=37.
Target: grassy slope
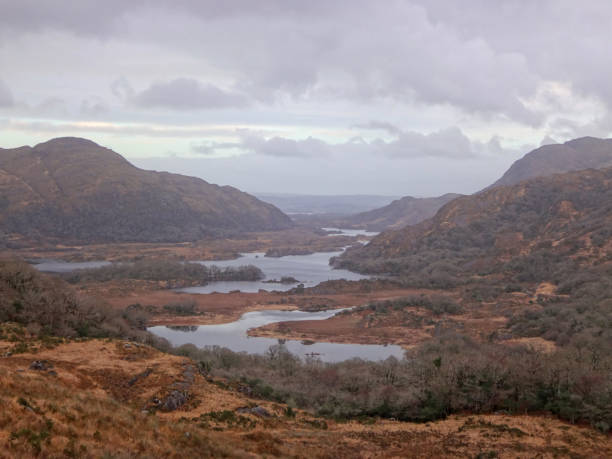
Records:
x=89, y=409
x=73, y=189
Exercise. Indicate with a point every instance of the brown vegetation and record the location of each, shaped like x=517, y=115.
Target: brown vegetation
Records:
x=204, y=249
x=90, y=404
x=72, y=189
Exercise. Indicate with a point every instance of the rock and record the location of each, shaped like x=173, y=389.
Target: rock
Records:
x=40, y=365
x=246, y=390
x=140, y=376
x=261, y=412
x=174, y=400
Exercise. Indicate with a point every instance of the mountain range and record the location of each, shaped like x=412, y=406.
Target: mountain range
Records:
x=577, y=154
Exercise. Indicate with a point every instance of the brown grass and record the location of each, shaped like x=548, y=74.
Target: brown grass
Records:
x=89, y=410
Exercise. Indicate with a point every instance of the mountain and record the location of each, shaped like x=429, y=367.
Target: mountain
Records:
x=324, y=204
x=562, y=216
x=401, y=212
x=76, y=190
x=577, y=154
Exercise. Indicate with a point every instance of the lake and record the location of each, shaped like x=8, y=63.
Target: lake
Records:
x=350, y=232
x=234, y=336
x=310, y=270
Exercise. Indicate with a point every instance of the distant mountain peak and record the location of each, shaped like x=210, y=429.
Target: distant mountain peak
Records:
x=577, y=154
x=67, y=141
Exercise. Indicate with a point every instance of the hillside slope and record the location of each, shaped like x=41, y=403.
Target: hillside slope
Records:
x=577, y=154
x=566, y=213
x=76, y=389
x=112, y=399
x=74, y=189
x=401, y=212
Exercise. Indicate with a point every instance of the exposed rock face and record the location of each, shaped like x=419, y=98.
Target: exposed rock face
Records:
x=174, y=401
x=40, y=365
x=76, y=190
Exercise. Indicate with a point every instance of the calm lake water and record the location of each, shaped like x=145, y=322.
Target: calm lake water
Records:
x=308, y=269
x=59, y=266
x=351, y=232
x=234, y=336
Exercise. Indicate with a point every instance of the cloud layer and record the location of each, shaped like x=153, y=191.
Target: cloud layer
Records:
x=6, y=97
x=293, y=80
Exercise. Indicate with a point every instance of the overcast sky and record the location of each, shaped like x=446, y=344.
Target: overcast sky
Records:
x=414, y=97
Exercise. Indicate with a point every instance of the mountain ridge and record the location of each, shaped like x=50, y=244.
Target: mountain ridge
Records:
x=506, y=221
x=404, y=211
x=577, y=154
x=75, y=189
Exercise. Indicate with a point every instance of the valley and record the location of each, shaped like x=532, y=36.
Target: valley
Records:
x=320, y=230
x=448, y=334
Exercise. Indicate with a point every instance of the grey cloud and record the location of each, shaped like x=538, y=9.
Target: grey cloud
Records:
x=559, y=39
x=122, y=89
x=548, y=140
x=282, y=147
x=481, y=57
x=6, y=97
x=187, y=94
x=423, y=177
x=379, y=125
x=84, y=17
x=212, y=148
x=449, y=143
x=305, y=50
x=93, y=109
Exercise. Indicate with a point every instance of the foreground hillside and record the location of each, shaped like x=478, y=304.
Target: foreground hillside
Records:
x=71, y=384
x=103, y=398
x=75, y=190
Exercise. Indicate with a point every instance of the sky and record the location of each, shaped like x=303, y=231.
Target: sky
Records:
x=390, y=97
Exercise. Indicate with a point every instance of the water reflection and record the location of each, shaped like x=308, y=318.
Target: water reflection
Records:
x=350, y=232
x=234, y=336
x=309, y=270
